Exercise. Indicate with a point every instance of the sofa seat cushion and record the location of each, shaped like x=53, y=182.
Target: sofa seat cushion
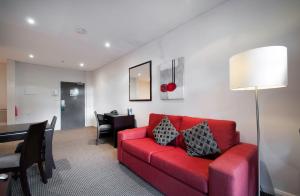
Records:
x=10, y=161
x=192, y=171
x=154, y=120
x=224, y=131
x=143, y=148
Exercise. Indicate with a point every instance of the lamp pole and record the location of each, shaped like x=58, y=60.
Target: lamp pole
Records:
x=258, y=139
x=264, y=67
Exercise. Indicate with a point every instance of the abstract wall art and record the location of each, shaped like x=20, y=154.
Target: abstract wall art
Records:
x=171, y=79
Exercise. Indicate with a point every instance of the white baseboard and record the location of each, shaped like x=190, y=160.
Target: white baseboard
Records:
x=268, y=190
x=279, y=192
x=276, y=191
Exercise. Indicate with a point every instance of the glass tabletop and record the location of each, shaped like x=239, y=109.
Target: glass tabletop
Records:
x=16, y=128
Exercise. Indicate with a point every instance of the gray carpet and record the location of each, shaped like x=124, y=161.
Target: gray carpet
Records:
x=85, y=169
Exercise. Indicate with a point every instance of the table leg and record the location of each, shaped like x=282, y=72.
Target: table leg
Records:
x=115, y=134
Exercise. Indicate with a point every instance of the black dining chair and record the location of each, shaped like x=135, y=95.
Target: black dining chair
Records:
x=52, y=126
x=103, y=127
x=30, y=154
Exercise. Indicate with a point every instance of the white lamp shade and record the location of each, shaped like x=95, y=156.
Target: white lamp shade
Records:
x=260, y=68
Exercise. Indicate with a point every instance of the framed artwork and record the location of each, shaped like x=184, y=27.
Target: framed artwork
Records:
x=171, y=79
x=140, y=82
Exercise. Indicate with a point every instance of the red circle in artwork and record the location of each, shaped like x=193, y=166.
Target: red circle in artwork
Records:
x=171, y=87
x=163, y=88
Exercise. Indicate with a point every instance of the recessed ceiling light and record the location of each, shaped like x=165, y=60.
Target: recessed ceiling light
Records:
x=139, y=74
x=81, y=64
x=31, y=56
x=81, y=30
x=107, y=44
x=30, y=21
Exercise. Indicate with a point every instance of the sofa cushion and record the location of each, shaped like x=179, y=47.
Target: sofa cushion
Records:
x=154, y=119
x=224, y=131
x=143, y=148
x=200, y=141
x=189, y=170
x=165, y=132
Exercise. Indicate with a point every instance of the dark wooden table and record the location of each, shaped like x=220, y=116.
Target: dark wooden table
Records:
x=5, y=186
x=17, y=132
x=118, y=123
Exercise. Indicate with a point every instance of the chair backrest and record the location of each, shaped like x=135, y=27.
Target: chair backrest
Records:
x=50, y=134
x=96, y=116
x=32, y=147
x=100, y=119
x=53, y=122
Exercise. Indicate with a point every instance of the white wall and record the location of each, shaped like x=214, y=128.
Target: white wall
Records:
x=10, y=100
x=2, y=86
x=89, y=106
x=207, y=42
x=39, y=82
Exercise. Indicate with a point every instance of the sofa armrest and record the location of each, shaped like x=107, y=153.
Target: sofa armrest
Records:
x=129, y=134
x=134, y=133
x=234, y=173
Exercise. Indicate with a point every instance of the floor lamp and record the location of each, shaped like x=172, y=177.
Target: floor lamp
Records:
x=257, y=69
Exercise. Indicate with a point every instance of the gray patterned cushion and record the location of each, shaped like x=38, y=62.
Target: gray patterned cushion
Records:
x=200, y=141
x=165, y=132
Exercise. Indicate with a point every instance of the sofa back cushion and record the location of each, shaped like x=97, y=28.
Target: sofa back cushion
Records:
x=224, y=131
x=154, y=120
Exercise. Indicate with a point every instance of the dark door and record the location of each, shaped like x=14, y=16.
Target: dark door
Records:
x=72, y=105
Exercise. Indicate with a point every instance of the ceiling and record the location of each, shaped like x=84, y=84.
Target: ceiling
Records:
x=126, y=24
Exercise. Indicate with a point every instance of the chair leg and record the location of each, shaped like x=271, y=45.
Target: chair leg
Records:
x=42, y=173
x=24, y=183
x=53, y=163
x=97, y=140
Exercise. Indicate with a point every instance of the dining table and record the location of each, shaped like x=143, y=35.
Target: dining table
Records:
x=17, y=132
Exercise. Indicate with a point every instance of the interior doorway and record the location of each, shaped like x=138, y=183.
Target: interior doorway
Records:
x=72, y=105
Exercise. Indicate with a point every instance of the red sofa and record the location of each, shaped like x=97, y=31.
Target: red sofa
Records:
x=173, y=172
